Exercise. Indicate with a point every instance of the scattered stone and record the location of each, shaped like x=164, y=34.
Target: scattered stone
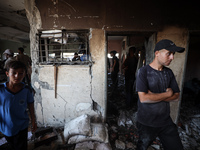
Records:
x=130, y=145
x=119, y=144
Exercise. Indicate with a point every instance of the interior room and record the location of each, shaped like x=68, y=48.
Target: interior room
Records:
x=74, y=47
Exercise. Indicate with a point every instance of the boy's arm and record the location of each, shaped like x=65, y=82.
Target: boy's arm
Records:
x=155, y=97
x=32, y=114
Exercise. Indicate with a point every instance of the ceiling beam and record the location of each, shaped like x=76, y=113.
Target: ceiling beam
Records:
x=9, y=38
x=4, y=22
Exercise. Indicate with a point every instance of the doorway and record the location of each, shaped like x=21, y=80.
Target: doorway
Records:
x=120, y=43
x=119, y=116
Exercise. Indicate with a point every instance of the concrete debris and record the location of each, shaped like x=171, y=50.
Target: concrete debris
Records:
x=189, y=120
x=93, y=145
x=119, y=144
x=3, y=141
x=130, y=145
x=125, y=119
x=44, y=136
x=122, y=119
x=78, y=126
x=99, y=133
x=86, y=135
x=157, y=147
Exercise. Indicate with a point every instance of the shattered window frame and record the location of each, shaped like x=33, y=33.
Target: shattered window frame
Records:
x=59, y=46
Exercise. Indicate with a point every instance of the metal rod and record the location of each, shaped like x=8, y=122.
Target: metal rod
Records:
x=55, y=79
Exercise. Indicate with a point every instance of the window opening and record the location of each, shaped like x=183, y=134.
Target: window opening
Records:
x=60, y=46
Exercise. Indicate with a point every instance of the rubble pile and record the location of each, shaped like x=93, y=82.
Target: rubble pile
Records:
x=189, y=119
x=189, y=127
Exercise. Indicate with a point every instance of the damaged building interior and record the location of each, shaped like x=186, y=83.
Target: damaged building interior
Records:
x=76, y=104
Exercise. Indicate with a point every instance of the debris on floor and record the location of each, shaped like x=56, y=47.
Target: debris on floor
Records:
x=119, y=132
x=121, y=122
x=44, y=136
x=78, y=126
x=93, y=146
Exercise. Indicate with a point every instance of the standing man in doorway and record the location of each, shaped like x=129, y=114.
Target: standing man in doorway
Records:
x=115, y=69
x=156, y=86
x=130, y=66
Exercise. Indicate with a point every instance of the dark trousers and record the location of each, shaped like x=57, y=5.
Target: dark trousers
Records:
x=129, y=92
x=19, y=141
x=114, y=77
x=168, y=136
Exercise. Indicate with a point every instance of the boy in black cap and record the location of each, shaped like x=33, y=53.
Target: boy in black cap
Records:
x=156, y=87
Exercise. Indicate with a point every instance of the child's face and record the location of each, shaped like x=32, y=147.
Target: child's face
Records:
x=16, y=75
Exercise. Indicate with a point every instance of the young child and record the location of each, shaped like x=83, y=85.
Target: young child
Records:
x=15, y=97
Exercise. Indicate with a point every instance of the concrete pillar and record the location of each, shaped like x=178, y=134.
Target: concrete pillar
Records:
x=99, y=73
x=180, y=37
x=35, y=22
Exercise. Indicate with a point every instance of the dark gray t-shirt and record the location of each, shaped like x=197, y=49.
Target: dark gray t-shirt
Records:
x=155, y=114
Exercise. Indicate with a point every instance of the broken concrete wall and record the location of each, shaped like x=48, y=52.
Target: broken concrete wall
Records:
x=79, y=87
x=180, y=37
x=74, y=89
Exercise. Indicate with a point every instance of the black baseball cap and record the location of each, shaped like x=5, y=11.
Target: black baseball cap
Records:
x=168, y=45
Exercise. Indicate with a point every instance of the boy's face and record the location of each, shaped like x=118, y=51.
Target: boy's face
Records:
x=16, y=75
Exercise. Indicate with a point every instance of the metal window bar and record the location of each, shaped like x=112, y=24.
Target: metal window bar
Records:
x=46, y=50
x=53, y=45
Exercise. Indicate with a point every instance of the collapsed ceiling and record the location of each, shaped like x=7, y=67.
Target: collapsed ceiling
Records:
x=14, y=25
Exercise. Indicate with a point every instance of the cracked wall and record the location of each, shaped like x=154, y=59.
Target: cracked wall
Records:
x=80, y=88
x=73, y=94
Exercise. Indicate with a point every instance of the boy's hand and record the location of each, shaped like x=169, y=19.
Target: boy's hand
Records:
x=34, y=126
